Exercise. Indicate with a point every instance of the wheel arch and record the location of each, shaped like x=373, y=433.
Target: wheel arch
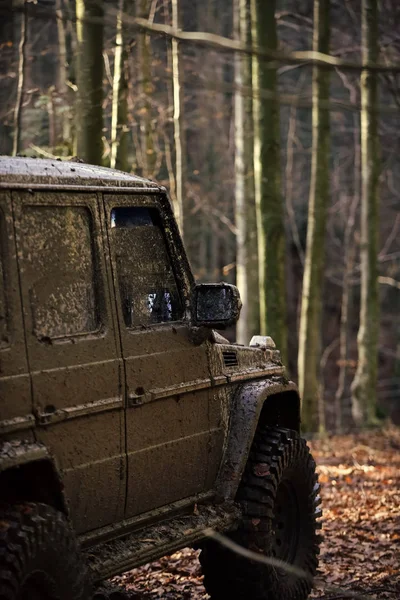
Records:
x=273, y=402
x=28, y=473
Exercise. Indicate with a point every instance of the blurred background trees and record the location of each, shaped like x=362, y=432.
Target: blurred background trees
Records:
x=310, y=153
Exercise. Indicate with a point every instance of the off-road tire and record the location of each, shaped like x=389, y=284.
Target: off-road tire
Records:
x=279, y=495
x=39, y=555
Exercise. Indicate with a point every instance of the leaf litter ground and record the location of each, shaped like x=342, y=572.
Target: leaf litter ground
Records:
x=360, y=554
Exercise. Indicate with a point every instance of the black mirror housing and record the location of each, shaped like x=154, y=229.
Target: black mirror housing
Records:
x=216, y=305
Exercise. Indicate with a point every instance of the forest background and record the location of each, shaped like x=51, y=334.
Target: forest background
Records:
x=259, y=149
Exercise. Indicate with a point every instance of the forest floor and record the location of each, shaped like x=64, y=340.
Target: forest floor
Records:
x=360, y=554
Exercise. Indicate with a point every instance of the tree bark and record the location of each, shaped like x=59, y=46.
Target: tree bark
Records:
x=311, y=308
x=343, y=415
x=148, y=149
x=119, y=115
x=21, y=79
x=89, y=77
x=364, y=386
x=267, y=177
x=62, y=88
x=178, y=111
x=245, y=211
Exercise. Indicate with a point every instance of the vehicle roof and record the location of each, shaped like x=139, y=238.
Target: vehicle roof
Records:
x=30, y=171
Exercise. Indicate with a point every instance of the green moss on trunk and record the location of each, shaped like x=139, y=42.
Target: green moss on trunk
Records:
x=311, y=306
x=267, y=176
x=89, y=113
x=365, y=381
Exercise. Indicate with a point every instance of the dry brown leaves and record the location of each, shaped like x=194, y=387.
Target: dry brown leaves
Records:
x=360, y=475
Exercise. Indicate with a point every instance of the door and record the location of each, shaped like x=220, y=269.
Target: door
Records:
x=15, y=389
x=72, y=349
x=174, y=435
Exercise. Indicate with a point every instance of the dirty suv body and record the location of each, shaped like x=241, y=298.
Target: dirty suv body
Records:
x=128, y=425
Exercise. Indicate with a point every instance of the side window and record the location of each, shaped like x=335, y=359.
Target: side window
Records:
x=4, y=334
x=148, y=290
x=59, y=269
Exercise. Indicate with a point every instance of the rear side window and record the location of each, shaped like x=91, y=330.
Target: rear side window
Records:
x=59, y=269
x=147, y=285
x=4, y=334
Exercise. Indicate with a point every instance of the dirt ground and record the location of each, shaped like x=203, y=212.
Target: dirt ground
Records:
x=360, y=477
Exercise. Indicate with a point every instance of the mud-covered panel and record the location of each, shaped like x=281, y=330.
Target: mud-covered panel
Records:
x=11, y=329
x=247, y=405
x=162, y=338
x=59, y=268
x=89, y=454
x=165, y=473
x=167, y=419
x=232, y=359
x=220, y=401
x=215, y=453
x=31, y=171
x=72, y=346
x=15, y=397
x=15, y=390
x=101, y=506
x=85, y=440
x=4, y=309
x=63, y=279
x=56, y=389
x=167, y=374
x=163, y=370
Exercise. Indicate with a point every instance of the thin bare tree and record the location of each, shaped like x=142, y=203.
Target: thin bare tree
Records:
x=364, y=386
x=21, y=78
x=89, y=77
x=267, y=177
x=311, y=306
x=119, y=112
x=147, y=88
x=245, y=218
x=62, y=87
x=178, y=121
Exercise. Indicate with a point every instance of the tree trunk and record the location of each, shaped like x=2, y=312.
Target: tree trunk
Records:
x=269, y=204
x=21, y=79
x=62, y=87
x=310, y=319
x=119, y=116
x=148, y=149
x=245, y=217
x=343, y=415
x=364, y=385
x=89, y=77
x=178, y=128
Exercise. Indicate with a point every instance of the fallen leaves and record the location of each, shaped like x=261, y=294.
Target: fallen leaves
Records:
x=361, y=548
x=361, y=500
x=171, y=578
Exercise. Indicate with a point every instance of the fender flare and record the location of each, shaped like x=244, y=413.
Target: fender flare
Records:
x=246, y=412
x=28, y=456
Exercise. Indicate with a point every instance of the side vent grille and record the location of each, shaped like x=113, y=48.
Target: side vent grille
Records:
x=230, y=358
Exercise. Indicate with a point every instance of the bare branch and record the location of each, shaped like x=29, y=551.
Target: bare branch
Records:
x=389, y=281
x=45, y=153
x=391, y=237
x=212, y=40
x=270, y=561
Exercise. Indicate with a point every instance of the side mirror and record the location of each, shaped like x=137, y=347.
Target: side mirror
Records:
x=216, y=305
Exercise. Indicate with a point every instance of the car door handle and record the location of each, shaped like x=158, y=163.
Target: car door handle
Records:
x=136, y=398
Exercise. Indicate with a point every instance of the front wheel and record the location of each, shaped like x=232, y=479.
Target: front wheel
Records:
x=39, y=556
x=279, y=495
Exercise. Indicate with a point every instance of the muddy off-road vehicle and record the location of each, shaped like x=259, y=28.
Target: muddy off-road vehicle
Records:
x=128, y=425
